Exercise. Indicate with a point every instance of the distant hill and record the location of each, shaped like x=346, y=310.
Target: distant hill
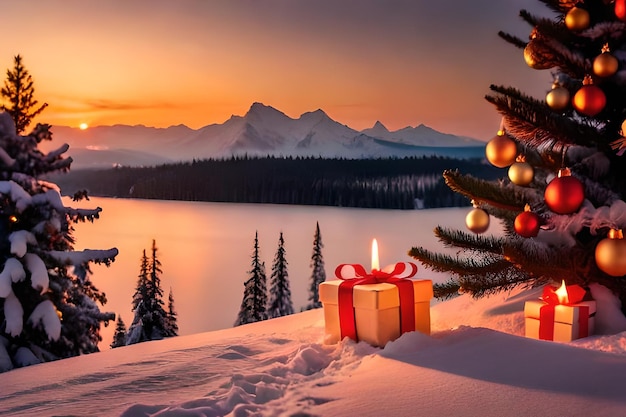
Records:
x=262, y=131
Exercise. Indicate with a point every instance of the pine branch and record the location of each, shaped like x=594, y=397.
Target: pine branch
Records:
x=459, y=266
x=531, y=121
x=488, y=192
x=474, y=242
x=512, y=39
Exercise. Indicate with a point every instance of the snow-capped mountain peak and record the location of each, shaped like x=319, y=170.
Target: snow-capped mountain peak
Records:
x=263, y=130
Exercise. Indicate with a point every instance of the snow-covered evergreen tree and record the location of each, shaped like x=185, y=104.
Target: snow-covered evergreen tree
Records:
x=280, y=303
x=171, y=321
x=18, y=94
x=119, y=337
x=140, y=304
x=254, y=302
x=149, y=321
x=48, y=303
x=319, y=273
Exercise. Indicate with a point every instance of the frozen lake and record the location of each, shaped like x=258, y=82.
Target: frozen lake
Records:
x=206, y=249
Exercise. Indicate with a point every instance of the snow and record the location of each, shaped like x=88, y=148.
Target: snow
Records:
x=46, y=314
x=476, y=362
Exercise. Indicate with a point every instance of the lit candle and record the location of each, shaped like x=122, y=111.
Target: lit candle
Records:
x=562, y=294
x=375, y=264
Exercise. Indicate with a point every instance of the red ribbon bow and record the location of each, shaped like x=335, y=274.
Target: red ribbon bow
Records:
x=355, y=274
x=575, y=294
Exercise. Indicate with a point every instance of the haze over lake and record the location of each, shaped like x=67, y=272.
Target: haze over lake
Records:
x=205, y=249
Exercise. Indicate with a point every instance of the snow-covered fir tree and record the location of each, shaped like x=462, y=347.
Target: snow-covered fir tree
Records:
x=119, y=337
x=18, y=94
x=171, y=320
x=149, y=321
x=48, y=303
x=319, y=273
x=280, y=303
x=562, y=201
x=254, y=303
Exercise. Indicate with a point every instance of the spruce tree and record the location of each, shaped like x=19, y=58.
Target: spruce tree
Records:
x=18, y=93
x=555, y=227
x=140, y=305
x=280, y=303
x=171, y=321
x=119, y=338
x=48, y=303
x=254, y=302
x=319, y=273
x=149, y=321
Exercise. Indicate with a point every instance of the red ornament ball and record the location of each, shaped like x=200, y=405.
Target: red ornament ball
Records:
x=620, y=10
x=564, y=194
x=527, y=224
x=589, y=100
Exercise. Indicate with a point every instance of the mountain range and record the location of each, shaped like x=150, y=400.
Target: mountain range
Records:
x=262, y=131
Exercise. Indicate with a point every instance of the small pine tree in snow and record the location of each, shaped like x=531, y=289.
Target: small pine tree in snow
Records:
x=319, y=274
x=149, y=321
x=18, y=91
x=48, y=303
x=119, y=338
x=171, y=325
x=280, y=295
x=254, y=303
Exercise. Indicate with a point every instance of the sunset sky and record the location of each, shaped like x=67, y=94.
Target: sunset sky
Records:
x=197, y=62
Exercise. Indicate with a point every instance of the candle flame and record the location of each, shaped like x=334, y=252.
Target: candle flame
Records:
x=561, y=293
x=375, y=262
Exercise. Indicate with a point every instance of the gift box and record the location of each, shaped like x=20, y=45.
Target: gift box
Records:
x=549, y=319
x=375, y=311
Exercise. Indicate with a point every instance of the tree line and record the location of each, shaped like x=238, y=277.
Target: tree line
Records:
x=391, y=183
x=260, y=302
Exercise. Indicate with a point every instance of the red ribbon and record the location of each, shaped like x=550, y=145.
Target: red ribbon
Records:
x=355, y=274
x=575, y=295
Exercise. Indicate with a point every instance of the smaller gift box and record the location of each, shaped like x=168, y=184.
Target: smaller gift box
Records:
x=375, y=309
x=560, y=318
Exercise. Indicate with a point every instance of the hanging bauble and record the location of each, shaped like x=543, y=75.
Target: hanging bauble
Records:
x=477, y=220
x=558, y=98
x=577, y=19
x=501, y=150
x=527, y=223
x=521, y=172
x=564, y=194
x=589, y=100
x=624, y=126
x=605, y=64
x=611, y=254
x=620, y=10
x=536, y=55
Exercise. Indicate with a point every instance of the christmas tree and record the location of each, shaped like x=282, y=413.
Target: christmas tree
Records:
x=562, y=203
x=48, y=303
x=280, y=303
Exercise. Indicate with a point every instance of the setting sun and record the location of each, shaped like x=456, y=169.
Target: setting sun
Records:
x=83, y=126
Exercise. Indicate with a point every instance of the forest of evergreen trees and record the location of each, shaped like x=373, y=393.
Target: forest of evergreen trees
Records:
x=403, y=183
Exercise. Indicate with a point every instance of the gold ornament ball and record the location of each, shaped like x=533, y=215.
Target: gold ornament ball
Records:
x=611, y=254
x=605, y=65
x=477, y=220
x=558, y=98
x=501, y=151
x=577, y=19
x=533, y=56
x=521, y=173
x=623, y=128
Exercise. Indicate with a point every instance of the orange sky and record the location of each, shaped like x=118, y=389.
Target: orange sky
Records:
x=197, y=62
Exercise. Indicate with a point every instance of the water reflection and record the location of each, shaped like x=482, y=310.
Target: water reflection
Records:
x=205, y=249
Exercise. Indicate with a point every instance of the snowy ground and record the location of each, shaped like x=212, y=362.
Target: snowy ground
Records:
x=475, y=363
